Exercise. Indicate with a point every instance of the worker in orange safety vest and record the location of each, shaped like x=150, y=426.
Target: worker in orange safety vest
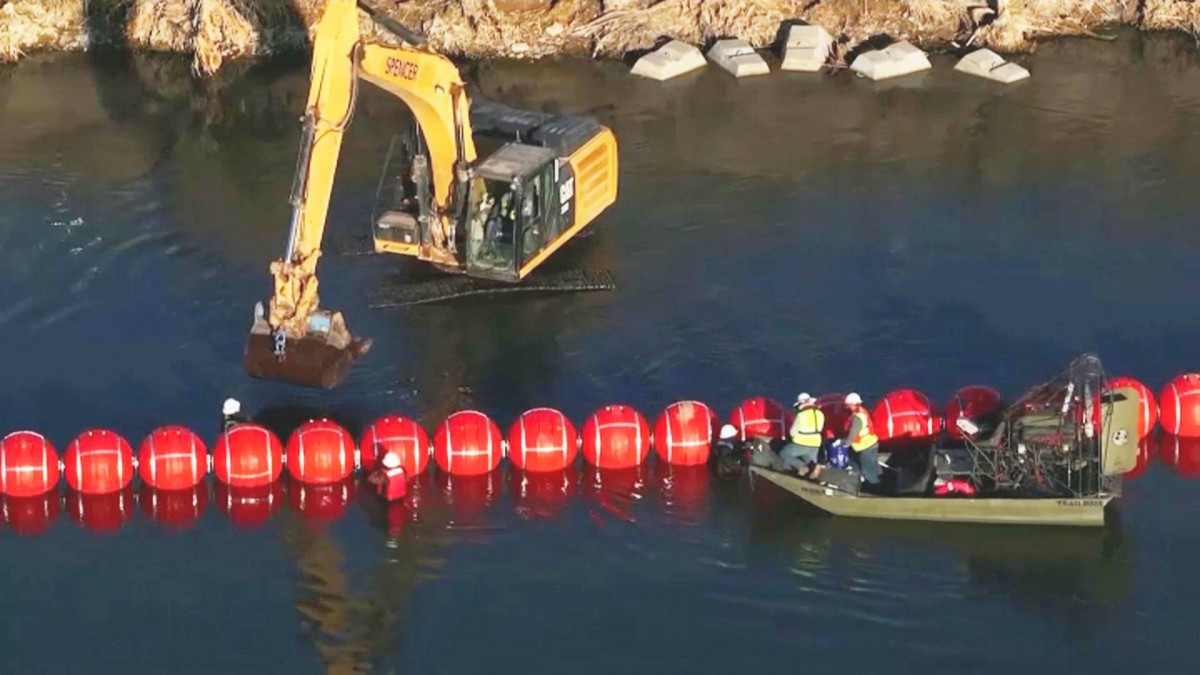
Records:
x=390, y=480
x=862, y=439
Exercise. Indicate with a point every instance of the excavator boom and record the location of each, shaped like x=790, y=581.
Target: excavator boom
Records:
x=496, y=219
x=294, y=340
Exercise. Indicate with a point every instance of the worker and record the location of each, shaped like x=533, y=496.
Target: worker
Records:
x=231, y=412
x=728, y=453
x=390, y=479
x=862, y=439
x=803, y=450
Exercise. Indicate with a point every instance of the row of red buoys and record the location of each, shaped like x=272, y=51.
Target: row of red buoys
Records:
x=321, y=452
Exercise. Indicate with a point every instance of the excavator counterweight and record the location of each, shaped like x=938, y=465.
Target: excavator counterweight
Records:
x=497, y=219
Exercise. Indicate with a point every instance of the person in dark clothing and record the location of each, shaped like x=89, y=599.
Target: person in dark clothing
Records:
x=231, y=413
x=728, y=453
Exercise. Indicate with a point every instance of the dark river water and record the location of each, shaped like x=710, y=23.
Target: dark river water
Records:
x=782, y=234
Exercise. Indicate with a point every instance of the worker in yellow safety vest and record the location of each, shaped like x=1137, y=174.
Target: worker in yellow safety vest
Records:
x=862, y=439
x=801, y=453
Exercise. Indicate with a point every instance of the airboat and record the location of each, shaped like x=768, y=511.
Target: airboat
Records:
x=1054, y=457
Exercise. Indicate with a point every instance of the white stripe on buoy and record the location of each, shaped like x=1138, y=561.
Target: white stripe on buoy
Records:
x=1178, y=409
x=670, y=445
x=153, y=463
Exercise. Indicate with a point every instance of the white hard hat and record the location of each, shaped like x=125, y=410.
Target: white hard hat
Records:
x=390, y=460
x=231, y=407
x=728, y=431
x=853, y=399
x=804, y=398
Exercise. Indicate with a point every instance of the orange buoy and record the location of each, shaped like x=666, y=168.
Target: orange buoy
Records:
x=837, y=417
x=174, y=508
x=322, y=502
x=101, y=512
x=248, y=455
x=541, y=494
x=399, y=435
x=1179, y=405
x=28, y=465
x=468, y=443
x=1147, y=406
x=615, y=437
x=761, y=416
x=172, y=458
x=684, y=433
x=320, y=452
x=98, y=462
x=249, y=506
x=972, y=402
x=31, y=516
x=904, y=414
x=542, y=439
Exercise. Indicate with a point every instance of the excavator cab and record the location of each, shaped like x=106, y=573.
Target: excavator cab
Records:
x=509, y=226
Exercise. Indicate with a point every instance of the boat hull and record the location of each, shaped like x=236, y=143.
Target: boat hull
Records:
x=1012, y=511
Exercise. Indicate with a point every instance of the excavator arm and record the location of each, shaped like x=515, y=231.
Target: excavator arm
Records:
x=296, y=341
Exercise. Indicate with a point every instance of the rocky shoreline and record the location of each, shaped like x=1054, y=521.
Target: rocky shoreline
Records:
x=217, y=31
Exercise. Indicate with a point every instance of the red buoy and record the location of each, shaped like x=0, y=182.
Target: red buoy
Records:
x=320, y=452
x=1147, y=406
x=172, y=458
x=541, y=494
x=323, y=502
x=684, y=433
x=248, y=455
x=1179, y=405
x=972, y=402
x=249, y=506
x=174, y=508
x=28, y=465
x=761, y=416
x=542, y=439
x=904, y=414
x=98, y=462
x=31, y=516
x=101, y=512
x=837, y=417
x=402, y=436
x=468, y=443
x=615, y=437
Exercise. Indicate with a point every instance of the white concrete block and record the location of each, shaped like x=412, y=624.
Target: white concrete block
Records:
x=807, y=48
x=671, y=60
x=901, y=58
x=738, y=58
x=988, y=64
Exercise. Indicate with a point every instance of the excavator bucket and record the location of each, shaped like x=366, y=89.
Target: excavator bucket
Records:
x=319, y=359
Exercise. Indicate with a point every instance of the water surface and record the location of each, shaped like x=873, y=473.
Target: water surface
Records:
x=787, y=233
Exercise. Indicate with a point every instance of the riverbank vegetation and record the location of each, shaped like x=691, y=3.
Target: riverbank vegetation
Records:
x=217, y=31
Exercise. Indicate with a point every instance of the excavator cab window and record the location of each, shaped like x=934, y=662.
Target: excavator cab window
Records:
x=510, y=223
x=397, y=208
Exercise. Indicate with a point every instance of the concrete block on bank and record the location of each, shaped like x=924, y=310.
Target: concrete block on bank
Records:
x=988, y=64
x=671, y=60
x=738, y=58
x=807, y=48
x=895, y=60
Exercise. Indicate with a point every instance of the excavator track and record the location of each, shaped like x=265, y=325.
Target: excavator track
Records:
x=439, y=290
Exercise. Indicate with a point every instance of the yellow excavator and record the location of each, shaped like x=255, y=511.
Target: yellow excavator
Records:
x=497, y=219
